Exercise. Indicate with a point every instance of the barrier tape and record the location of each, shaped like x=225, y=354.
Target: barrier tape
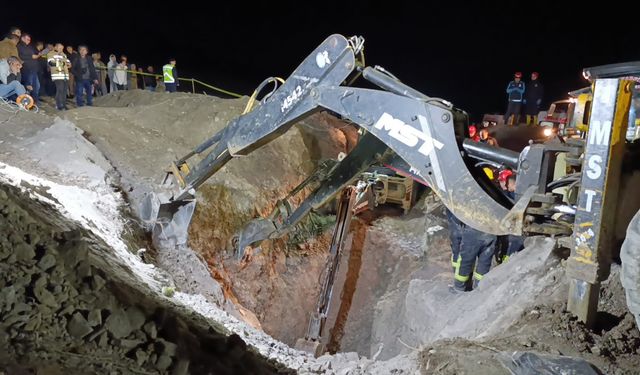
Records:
x=192, y=80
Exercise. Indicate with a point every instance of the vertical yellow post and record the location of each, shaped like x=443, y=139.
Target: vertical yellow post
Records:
x=589, y=263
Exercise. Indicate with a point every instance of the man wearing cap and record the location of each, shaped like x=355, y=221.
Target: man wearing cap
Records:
x=533, y=99
x=515, y=91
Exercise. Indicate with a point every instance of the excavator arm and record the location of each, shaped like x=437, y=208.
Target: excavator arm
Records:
x=419, y=129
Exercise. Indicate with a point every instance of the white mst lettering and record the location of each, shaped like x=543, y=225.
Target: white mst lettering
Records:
x=600, y=135
x=411, y=137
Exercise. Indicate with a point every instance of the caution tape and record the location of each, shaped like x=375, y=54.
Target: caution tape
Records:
x=192, y=80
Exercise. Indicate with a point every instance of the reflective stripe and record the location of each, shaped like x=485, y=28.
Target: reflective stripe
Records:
x=167, y=74
x=456, y=265
x=505, y=259
x=477, y=276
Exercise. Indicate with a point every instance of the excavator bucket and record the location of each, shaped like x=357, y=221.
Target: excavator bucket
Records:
x=169, y=221
x=253, y=233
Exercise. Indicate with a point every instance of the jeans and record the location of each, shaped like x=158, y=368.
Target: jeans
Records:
x=61, y=93
x=30, y=78
x=12, y=88
x=83, y=85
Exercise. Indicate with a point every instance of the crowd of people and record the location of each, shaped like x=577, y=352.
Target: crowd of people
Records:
x=43, y=69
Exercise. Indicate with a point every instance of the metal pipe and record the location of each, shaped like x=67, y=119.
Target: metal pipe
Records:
x=391, y=84
x=494, y=154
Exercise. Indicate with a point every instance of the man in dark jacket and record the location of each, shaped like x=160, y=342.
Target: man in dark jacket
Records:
x=85, y=75
x=150, y=81
x=30, y=66
x=533, y=98
x=515, y=91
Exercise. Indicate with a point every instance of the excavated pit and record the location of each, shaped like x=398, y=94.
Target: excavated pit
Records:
x=392, y=302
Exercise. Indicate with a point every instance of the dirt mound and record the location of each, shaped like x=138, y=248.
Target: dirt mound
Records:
x=61, y=313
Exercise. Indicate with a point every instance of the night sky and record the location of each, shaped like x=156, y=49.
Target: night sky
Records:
x=463, y=53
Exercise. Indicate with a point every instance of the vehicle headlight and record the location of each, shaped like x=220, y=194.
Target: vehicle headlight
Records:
x=548, y=132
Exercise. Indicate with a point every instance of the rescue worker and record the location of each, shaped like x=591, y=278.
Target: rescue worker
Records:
x=170, y=76
x=59, y=65
x=473, y=133
x=515, y=92
x=533, y=99
x=455, y=236
x=486, y=138
x=469, y=247
x=507, y=180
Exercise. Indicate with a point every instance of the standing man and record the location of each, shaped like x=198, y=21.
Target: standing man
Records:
x=112, y=64
x=85, y=74
x=30, y=66
x=8, y=46
x=170, y=76
x=150, y=82
x=59, y=65
x=101, y=70
x=515, y=91
x=533, y=99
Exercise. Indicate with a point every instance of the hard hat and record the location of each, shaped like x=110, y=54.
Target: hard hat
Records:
x=504, y=175
x=535, y=74
x=518, y=75
x=472, y=130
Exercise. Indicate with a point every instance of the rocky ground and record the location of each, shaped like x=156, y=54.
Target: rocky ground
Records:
x=72, y=273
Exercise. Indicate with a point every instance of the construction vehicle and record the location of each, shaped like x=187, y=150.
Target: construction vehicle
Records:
x=430, y=135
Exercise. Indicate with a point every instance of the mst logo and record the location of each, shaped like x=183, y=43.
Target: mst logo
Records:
x=407, y=134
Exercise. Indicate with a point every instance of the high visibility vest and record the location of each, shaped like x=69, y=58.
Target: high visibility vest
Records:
x=167, y=73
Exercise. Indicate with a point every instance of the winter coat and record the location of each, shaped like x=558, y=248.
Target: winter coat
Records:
x=76, y=68
x=7, y=49
x=533, y=97
x=515, y=91
x=26, y=52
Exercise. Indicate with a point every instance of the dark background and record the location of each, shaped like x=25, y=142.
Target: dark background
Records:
x=465, y=53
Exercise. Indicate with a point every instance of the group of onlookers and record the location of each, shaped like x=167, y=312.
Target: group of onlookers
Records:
x=40, y=69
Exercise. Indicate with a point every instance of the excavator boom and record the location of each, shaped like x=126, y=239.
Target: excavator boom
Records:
x=423, y=131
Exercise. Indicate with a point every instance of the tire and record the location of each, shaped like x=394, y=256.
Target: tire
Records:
x=630, y=270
